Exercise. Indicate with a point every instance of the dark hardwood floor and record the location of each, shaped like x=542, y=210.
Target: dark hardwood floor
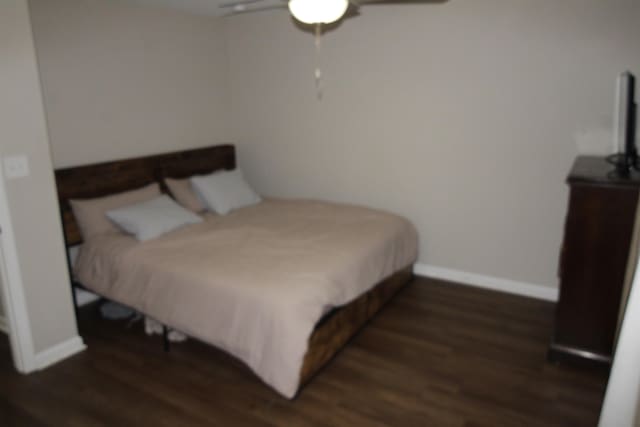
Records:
x=437, y=355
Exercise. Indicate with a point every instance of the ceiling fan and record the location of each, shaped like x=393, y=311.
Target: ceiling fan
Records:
x=315, y=13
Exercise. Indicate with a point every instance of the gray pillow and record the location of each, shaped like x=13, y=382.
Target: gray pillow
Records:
x=223, y=192
x=152, y=218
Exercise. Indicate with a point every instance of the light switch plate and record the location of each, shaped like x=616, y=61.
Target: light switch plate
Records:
x=16, y=166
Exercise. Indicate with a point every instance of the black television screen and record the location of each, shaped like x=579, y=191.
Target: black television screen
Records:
x=630, y=131
x=626, y=117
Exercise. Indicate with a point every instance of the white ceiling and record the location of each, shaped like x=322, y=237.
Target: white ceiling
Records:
x=203, y=7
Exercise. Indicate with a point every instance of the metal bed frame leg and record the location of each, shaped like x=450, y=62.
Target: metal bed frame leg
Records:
x=165, y=338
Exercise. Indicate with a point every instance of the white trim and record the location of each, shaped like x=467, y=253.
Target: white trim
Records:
x=620, y=405
x=3, y=325
x=532, y=290
x=59, y=352
x=15, y=304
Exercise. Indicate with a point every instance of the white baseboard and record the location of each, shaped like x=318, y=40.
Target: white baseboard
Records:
x=546, y=293
x=4, y=327
x=59, y=352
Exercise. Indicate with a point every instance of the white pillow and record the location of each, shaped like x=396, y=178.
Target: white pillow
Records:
x=223, y=192
x=151, y=219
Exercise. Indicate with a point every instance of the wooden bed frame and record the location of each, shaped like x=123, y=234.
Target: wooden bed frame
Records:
x=97, y=180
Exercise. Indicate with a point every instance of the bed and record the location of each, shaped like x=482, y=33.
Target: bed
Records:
x=282, y=285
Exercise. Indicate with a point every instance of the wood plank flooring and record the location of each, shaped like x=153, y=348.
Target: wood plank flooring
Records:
x=437, y=355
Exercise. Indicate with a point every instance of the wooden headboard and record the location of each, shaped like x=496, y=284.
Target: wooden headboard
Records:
x=97, y=180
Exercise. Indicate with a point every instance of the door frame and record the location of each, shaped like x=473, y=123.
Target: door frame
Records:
x=17, y=318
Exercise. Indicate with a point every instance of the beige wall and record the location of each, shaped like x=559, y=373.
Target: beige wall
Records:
x=462, y=117
x=465, y=117
x=32, y=201
x=122, y=80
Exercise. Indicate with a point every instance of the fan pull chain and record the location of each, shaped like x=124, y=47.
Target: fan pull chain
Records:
x=318, y=71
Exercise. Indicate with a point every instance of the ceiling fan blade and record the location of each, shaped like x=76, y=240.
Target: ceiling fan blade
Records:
x=241, y=9
x=237, y=7
x=353, y=10
x=371, y=2
x=354, y=5
x=238, y=3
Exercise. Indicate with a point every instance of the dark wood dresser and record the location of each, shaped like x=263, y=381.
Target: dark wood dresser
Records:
x=593, y=261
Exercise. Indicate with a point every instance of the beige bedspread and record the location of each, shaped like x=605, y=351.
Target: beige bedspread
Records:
x=254, y=282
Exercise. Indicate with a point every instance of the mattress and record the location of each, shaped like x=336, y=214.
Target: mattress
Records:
x=256, y=281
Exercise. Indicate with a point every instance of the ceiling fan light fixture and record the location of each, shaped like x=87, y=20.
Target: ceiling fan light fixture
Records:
x=318, y=11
